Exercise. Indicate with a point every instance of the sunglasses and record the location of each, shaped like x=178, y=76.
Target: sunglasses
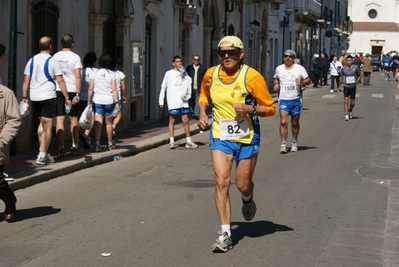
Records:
x=285, y=56
x=233, y=52
x=196, y=59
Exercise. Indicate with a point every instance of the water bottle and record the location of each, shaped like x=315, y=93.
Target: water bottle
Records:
x=117, y=158
x=114, y=113
x=183, y=72
x=67, y=109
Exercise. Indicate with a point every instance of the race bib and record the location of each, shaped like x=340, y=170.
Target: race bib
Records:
x=290, y=87
x=233, y=129
x=350, y=79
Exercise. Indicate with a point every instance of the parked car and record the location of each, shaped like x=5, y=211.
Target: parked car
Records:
x=392, y=53
x=375, y=62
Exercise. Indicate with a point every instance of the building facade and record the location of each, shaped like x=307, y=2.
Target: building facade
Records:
x=144, y=35
x=375, y=26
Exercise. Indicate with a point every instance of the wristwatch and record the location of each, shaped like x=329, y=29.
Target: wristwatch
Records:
x=253, y=110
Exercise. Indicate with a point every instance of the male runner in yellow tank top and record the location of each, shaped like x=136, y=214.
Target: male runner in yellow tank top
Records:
x=239, y=95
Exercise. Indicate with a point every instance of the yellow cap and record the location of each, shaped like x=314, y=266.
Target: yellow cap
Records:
x=231, y=41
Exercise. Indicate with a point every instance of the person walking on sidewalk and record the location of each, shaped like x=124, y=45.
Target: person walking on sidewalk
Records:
x=41, y=71
x=239, y=95
x=350, y=76
x=289, y=79
x=367, y=69
x=10, y=121
x=87, y=74
x=177, y=85
x=103, y=93
x=71, y=67
x=335, y=71
x=196, y=71
x=121, y=88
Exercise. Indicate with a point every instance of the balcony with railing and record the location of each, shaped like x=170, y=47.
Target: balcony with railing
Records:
x=308, y=8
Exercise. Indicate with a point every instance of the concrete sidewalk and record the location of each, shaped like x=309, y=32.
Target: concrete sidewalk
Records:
x=25, y=172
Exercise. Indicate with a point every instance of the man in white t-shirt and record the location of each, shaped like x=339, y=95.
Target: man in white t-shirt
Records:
x=71, y=67
x=335, y=71
x=289, y=79
x=41, y=72
x=177, y=86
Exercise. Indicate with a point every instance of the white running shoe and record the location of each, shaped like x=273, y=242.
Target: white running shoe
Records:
x=346, y=117
x=283, y=149
x=223, y=244
x=191, y=145
x=172, y=146
x=45, y=160
x=350, y=115
x=332, y=91
x=294, y=147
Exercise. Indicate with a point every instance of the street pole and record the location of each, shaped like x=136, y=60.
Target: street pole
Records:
x=284, y=23
x=12, y=60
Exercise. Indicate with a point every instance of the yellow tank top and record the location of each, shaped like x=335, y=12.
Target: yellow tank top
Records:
x=226, y=125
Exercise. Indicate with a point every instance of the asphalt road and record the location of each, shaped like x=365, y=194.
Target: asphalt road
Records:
x=333, y=203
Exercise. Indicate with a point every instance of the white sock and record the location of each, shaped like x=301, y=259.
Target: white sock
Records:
x=226, y=228
x=113, y=127
x=171, y=139
x=42, y=154
x=188, y=140
x=75, y=146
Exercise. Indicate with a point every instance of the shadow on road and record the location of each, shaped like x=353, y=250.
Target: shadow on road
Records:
x=26, y=214
x=255, y=229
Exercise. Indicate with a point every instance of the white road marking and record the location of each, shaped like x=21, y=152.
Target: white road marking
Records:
x=377, y=95
x=328, y=96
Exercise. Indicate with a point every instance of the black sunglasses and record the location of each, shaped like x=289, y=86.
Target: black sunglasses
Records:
x=285, y=56
x=233, y=52
x=196, y=59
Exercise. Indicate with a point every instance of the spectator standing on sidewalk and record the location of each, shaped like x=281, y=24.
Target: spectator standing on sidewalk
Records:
x=103, y=97
x=316, y=71
x=350, y=76
x=177, y=86
x=367, y=69
x=239, y=95
x=71, y=67
x=196, y=72
x=324, y=65
x=335, y=72
x=41, y=71
x=10, y=121
x=87, y=74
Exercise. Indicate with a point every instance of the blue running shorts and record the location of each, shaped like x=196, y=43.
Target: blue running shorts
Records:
x=178, y=111
x=293, y=106
x=100, y=109
x=238, y=150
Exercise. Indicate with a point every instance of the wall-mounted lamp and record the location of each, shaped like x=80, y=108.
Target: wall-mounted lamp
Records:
x=251, y=33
